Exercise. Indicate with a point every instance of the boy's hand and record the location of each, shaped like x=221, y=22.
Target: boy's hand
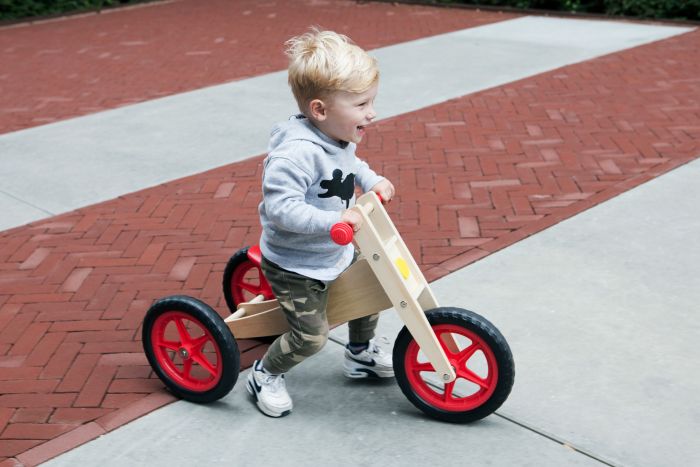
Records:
x=385, y=189
x=350, y=216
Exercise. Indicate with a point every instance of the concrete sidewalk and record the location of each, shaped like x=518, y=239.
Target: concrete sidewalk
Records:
x=602, y=325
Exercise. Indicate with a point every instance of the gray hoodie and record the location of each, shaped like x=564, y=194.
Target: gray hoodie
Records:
x=308, y=180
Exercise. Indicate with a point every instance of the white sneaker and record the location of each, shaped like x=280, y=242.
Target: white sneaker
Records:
x=269, y=391
x=373, y=361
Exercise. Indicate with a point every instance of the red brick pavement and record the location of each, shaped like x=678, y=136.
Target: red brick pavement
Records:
x=65, y=68
x=474, y=174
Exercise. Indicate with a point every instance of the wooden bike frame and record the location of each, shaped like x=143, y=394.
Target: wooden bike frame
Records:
x=385, y=276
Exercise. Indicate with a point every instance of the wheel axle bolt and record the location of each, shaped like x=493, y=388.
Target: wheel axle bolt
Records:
x=446, y=377
x=184, y=353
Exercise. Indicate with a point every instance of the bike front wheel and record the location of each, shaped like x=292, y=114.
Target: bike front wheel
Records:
x=480, y=356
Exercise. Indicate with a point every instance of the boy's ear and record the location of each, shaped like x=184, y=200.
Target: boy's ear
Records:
x=318, y=109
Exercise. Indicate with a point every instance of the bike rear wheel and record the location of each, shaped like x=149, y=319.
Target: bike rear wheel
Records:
x=244, y=280
x=191, y=349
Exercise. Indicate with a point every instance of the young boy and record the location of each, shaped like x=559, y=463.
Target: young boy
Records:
x=308, y=185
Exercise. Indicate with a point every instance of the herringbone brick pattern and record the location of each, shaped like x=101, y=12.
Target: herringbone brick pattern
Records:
x=473, y=174
x=478, y=173
x=63, y=69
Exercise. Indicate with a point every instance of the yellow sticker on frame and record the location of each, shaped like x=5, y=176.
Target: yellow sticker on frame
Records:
x=403, y=267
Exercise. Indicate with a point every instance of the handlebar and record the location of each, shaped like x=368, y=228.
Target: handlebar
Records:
x=342, y=232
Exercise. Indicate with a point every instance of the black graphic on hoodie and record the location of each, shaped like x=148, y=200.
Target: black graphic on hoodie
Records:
x=344, y=189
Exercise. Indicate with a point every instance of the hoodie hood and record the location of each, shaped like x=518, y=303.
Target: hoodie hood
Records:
x=300, y=128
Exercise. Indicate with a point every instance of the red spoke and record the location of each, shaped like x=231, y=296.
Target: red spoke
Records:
x=170, y=345
x=418, y=367
x=466, y=354
x=469, y=375
x=198, y=343
x=254, y=289
x=449, y=387
x=186, y=368
x=204, y=363
x=182, y=330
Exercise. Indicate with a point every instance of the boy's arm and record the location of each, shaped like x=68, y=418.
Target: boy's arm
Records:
x=365, y=177
x=284, y=194
x=368, y=180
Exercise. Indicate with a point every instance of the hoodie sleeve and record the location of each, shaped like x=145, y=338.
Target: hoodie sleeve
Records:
x=365, y=177
x=284, y=189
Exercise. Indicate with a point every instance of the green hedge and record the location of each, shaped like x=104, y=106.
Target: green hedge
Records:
x=668, y=9
x=18, y=9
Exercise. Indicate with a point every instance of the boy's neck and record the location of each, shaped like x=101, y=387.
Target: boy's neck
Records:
x=319, y=126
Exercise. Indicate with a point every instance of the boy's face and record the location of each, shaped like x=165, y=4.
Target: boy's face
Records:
x=344, y=115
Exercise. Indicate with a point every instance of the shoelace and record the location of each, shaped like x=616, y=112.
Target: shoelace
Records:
x=374, y=348
x=273, y=382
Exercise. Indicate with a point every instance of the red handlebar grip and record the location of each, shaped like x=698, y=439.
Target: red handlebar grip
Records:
x=341, y=233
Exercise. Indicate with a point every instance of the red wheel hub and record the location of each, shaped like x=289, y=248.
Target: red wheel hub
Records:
x=470, y=389
x=181, y=353
x=248, y=277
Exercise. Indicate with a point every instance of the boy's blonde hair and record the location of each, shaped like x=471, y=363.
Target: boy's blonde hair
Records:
x=322, y=62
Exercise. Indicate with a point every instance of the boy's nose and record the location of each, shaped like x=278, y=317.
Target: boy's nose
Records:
x=371, y=115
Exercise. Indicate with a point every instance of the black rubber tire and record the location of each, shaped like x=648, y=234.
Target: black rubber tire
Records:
x=489, y=334
x=223, y=339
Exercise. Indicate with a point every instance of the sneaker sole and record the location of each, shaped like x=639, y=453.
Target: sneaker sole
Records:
x=261, y=407
x=359, y=373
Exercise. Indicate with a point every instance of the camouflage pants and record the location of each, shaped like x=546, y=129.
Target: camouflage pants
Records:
x=304, y=302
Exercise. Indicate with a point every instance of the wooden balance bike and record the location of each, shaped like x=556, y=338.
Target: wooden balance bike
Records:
x=451, y=363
